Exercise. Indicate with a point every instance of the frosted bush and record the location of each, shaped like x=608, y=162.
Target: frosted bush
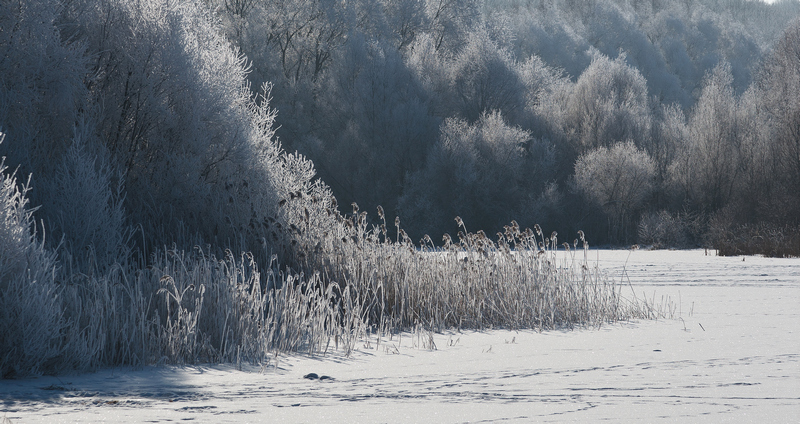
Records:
x=31, y=322
x=661, y=230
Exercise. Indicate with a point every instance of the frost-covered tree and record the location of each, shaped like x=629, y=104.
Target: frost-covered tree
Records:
x=618, y=179
x=304, y=33
x=85, y=206
x=484, y=78
x=779, y=84
x=542, y=29
x=668, y=134
x=480, y=77
x=193, y=143
x=609, y=103
x=708, y=166
x=170, y=113
x=42, y=85
x=487, y=173
x=432, y=69
x=450, y=21
x=407, y=19
x=613, y=27
x=374, y=125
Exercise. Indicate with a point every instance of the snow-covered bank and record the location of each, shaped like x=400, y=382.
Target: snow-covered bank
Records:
x=733, y=355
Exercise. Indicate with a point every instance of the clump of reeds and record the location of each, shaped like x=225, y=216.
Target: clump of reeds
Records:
x=520, y=279
x=190, y=307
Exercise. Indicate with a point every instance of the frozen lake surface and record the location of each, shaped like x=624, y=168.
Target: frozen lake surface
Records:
x=731, y=355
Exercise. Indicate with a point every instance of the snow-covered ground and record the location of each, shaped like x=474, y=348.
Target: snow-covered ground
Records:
x=733, y=355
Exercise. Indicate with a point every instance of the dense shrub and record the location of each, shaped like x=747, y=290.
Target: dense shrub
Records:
x=759, y=239
x=663, y=229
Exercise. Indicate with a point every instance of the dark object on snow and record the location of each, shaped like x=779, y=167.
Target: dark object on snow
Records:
x=314, y=376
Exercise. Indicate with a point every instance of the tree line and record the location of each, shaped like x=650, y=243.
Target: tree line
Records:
x=618, y=117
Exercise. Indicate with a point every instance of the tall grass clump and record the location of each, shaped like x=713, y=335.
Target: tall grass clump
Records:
x=226, y=310
x=519, y=280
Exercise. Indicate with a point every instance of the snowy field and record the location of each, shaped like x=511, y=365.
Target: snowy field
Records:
x=732, y=354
